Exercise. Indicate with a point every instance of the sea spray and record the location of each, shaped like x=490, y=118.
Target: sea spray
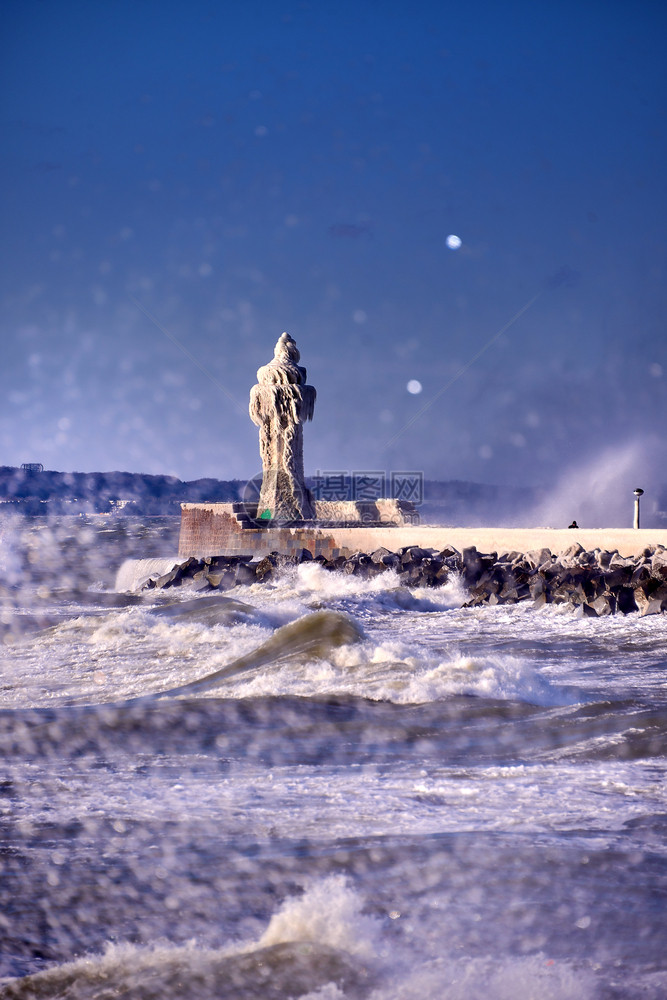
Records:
x=329, y=912
x=133, y=573
x=597, y=490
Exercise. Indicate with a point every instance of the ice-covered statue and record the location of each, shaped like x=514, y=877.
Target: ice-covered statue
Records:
x=279, y=405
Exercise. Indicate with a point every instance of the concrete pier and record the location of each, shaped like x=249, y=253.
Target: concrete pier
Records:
x=218, y=529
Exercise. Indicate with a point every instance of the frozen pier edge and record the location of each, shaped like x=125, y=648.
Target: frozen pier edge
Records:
x=222, y=529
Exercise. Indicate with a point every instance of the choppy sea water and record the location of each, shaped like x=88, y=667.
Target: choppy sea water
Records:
x=374, y=792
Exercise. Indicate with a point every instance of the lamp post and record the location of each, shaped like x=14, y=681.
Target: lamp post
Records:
x=638, y=493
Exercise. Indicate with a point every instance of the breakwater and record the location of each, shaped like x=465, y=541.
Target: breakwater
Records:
x=597, y=582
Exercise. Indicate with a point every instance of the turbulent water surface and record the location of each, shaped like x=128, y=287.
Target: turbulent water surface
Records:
x=320, y=787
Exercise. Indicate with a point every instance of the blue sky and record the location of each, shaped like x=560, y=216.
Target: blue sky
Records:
x=234, y=170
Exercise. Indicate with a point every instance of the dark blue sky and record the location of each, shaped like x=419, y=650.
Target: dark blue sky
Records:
x=243, y=168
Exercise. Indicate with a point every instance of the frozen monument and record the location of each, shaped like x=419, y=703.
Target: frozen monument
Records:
x=287, y=520
x=279, y=404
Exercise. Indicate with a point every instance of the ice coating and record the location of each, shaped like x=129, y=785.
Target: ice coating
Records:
x=279, y=404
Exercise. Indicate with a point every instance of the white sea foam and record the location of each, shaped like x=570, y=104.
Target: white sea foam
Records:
x=406, y=674
x=536, y=977
x=327, y=992
x=506, y=678
x=310, y=579
x=310, y=801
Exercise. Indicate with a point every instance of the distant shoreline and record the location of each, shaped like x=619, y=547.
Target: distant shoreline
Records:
x=48, y=492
